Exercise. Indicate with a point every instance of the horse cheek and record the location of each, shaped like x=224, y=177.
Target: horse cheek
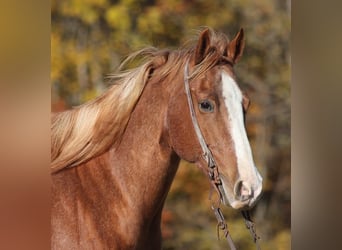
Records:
x=181, y=132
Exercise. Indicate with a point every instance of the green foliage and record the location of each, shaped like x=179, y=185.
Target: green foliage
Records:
x=90, y=38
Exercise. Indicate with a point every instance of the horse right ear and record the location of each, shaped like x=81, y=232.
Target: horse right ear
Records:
x=203, y=45
x=236, y=46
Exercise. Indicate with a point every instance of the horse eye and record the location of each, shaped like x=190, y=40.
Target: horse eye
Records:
x=206, y=106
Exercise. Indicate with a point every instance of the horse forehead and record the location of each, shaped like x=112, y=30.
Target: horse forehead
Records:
x=222, y=81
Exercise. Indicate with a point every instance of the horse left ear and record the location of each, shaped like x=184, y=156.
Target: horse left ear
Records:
x=202, y=46
x=236, y=46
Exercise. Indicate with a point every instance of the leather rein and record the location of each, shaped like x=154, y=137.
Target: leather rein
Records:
x=213, y=174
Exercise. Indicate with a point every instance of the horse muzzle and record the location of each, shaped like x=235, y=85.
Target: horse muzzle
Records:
x=244, y=195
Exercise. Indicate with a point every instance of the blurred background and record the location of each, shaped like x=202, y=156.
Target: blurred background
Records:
x=89, y=39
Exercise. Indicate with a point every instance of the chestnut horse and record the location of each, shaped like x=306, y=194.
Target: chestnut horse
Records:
x=114, y=158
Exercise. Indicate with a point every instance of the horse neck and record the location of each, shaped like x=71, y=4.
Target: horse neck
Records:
x=124, y=189
x=143, y=162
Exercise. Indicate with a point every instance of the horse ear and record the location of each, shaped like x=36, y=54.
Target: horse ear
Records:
x=236, y=46
x=202, y=46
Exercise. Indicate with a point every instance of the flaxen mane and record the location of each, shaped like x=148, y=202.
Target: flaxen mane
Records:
x=88, y=130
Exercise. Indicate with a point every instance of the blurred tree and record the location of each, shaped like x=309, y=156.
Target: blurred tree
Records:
x=89, y=38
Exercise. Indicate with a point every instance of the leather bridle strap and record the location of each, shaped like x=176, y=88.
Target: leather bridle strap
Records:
x=213, y=173
x=207, y=155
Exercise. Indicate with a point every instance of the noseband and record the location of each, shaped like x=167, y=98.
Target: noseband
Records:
x=213, y=173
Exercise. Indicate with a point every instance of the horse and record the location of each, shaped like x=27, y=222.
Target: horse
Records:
x=113, y=159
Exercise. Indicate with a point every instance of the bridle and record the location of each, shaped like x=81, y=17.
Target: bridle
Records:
x=213, y=174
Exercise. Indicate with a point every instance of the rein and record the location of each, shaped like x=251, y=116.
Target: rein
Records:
x=214, y=176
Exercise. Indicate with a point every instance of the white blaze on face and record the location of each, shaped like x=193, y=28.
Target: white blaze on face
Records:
x=233, y=101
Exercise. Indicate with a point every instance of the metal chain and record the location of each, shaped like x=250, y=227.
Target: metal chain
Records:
x=215, y=206
x=251, y=227
x=222, y=225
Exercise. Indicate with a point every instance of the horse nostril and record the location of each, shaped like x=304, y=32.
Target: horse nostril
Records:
x=242, y=190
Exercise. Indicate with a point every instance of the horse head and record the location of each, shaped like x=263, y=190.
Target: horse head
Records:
x=219, y=108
